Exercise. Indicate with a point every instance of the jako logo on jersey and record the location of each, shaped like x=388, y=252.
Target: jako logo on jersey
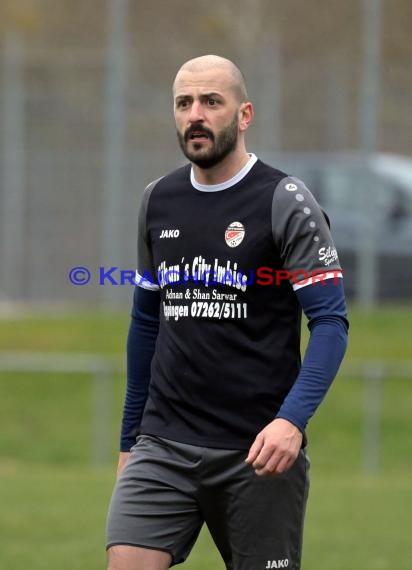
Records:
x=291, y=187
x=328, y=255
x=169, y=234
x=278, y=563
x=234, y=234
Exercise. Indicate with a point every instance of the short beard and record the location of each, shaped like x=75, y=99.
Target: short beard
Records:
x=223, y=144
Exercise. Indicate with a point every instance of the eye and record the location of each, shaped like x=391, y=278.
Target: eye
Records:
x=211, y=102
x=182, y=103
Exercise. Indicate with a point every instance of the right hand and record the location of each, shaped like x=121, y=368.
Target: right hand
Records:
x=123, y=457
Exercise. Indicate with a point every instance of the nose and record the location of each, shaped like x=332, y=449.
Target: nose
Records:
x=196, y=112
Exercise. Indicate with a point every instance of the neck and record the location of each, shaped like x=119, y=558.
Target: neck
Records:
x=223, y=171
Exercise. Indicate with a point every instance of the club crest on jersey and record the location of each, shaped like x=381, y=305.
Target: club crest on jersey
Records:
x=234, y=234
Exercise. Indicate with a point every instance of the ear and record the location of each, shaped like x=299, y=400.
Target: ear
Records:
x=246, y=114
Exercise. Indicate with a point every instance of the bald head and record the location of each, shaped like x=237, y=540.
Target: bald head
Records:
x=210, y=63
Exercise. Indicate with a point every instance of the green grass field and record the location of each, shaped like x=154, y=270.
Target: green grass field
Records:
x=53, y=500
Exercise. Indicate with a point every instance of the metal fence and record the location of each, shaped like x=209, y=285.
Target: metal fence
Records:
x=102, y=370
x=83, y=132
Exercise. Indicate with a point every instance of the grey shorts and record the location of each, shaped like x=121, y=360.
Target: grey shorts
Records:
x=168, y=490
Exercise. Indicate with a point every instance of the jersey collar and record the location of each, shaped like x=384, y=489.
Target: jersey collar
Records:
x=228, y=183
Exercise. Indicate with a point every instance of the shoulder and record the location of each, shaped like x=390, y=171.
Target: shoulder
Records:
x=287, y=188
x=292, y=189
x=176, y=177
x=268, y=173
x=292, y=195
x=300, y=227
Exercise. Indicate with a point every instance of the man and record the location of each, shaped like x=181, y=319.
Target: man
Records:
x=229, y=252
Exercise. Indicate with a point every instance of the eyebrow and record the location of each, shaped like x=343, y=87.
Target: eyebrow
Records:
x=202, y=95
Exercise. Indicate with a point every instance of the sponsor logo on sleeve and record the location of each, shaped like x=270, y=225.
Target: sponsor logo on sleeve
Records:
x=328, y=255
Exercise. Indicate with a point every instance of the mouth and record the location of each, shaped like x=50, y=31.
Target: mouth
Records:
x=198, y=134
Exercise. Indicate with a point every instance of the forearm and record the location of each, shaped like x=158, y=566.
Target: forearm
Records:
x=141, y=343
x=325, y=307
x=324, y=353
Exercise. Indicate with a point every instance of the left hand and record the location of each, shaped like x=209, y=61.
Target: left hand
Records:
x=275, y=448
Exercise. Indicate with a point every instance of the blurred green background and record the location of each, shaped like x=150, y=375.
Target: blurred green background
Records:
x=54, y=496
